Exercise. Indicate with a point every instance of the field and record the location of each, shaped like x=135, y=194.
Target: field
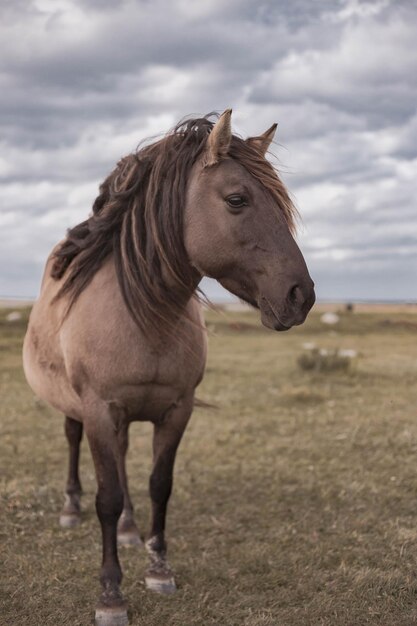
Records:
x=295, y=501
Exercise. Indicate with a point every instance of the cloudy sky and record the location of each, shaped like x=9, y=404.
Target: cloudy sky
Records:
x=83, y=81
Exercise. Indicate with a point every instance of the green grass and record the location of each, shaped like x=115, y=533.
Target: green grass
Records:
x=295, y=502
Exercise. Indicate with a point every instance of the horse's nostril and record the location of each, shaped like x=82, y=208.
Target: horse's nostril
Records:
x=295, y=295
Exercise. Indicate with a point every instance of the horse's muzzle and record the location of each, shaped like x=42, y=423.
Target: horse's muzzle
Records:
x=282, y=314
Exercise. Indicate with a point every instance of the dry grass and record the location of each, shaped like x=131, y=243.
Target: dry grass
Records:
x=321, y=360
x=295, y=502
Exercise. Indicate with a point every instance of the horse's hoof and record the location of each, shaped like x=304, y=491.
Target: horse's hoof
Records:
x=127, y=531
x=129, y=538
x=69, y=520
x=111, y=616
x=160, y=583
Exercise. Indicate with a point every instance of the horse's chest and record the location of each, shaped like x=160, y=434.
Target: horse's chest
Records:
x=152, y=399
x=116, y=364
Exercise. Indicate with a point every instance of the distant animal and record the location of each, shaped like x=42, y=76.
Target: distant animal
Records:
x=117, y=334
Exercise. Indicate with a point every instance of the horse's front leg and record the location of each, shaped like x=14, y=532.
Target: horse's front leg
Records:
x=167, y=436
x=70, y=515
x=102, y=438
x=127, y=531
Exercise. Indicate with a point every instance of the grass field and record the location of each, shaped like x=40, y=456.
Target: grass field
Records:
x=295, y=502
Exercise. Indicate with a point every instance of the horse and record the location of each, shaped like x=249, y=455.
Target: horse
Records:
x=117, y=334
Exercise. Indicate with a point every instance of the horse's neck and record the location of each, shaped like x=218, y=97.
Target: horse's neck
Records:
x=106, y=279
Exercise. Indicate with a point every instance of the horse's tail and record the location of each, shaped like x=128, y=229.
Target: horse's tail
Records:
x=202, y=404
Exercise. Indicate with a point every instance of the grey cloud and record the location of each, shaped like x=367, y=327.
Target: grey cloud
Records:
x=84, y=82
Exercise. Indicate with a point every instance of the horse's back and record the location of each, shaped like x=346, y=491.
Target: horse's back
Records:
x=96, y=355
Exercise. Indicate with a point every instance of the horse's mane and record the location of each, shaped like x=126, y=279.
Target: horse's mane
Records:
x=138, y=218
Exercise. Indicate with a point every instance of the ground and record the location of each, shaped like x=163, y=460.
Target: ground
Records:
x=294, y=501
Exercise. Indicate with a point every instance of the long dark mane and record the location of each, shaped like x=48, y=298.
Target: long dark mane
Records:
x=138, y=218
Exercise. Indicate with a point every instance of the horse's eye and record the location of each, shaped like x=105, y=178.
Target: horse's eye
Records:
x=236, y=201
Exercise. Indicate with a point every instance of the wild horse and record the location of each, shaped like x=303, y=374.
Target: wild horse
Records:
x=117, y=334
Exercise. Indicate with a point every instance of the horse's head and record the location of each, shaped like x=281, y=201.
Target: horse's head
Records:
x=238, y=227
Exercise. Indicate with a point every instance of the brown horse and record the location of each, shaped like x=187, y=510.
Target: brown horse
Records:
x=117, y=334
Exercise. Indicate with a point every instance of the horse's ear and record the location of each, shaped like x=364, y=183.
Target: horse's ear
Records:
x=263, y=142
x=219, y=139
